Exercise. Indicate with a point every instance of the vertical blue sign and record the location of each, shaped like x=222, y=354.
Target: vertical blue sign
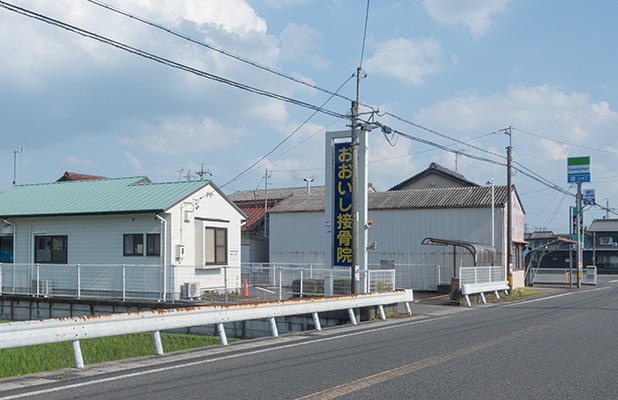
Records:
x=343, y=218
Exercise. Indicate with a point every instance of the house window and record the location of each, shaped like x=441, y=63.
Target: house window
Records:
x=50, y=249
x=153, y=244
x=6, y=249
x=216, y=245
x=133, y=244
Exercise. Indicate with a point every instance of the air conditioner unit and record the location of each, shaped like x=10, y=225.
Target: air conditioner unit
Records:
x=606, y=241
x=44, y=288
x=190, y=290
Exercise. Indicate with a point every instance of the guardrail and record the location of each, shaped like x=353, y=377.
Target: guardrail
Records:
x=480, y=288
x=27, y=333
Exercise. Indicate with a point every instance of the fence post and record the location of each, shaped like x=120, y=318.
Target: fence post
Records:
x=14, y=276
x=79, y=281
x=172, y=281
x=225, y=284
x=280, y=284
x=37, y=280
x=301, y=283
x=124, y=283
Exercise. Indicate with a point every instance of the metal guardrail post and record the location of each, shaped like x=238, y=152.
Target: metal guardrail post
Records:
x=382, y=313
x=77, y=354
x=273, y=327
x=172, y=281
x=352, y=316
x=157, y=341
x=221, y=331
x=316, y=321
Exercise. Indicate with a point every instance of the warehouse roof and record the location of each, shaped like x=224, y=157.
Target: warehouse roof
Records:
x=456, y=197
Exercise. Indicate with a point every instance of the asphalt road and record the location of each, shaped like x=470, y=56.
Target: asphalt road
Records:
x=560, y=344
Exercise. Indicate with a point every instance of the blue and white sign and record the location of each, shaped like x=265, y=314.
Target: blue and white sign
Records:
x=589, y=196
x=578, y=169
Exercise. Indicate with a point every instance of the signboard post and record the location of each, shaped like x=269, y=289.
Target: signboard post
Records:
x=578, y=171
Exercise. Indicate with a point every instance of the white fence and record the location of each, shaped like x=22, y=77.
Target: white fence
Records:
x=474, y=275
x=221, y=284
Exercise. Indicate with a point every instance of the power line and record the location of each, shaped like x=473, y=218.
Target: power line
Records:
x=566, y=143
x=213, y=48
x=360, y=65
x=165, y=61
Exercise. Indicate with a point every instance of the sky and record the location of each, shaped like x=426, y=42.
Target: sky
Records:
x=232, y=86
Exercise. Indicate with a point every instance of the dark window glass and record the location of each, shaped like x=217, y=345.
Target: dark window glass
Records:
x=51, y=249
x=215, y=249
x=133, y=244
x=153, y=244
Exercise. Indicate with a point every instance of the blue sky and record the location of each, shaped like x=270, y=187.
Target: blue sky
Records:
x=464, y=70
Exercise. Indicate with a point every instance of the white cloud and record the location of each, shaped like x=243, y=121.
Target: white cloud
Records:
x=74, y=160
x=183, y=136
x=300, y=45
x=134, y=162
x=409, y=60
x=475, y=14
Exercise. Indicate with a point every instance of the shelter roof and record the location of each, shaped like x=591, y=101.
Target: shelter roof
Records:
x=100, y=196
x=482, y=253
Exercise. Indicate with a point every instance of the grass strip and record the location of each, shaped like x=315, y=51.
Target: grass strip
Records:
x=52, y=356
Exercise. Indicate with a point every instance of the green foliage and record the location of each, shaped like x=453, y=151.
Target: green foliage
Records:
x=47, y=357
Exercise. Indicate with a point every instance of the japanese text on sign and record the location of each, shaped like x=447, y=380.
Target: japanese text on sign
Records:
x=343, y=218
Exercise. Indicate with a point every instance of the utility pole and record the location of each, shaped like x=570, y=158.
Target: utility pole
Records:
x=509, y=217
x=578, y=212
x=355, y=270
x=266, y=204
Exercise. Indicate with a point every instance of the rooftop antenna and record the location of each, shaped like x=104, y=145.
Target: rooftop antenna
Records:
x=308, y=180
x=180, y=172
x=15, y=153
x=202, y=172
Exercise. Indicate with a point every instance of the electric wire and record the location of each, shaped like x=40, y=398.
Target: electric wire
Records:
x=213, y=48
x=251, y=167
x=165, y=61
x=566, y=143
x=360, y=65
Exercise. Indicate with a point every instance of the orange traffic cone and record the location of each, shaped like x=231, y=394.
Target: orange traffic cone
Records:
x=245, y=291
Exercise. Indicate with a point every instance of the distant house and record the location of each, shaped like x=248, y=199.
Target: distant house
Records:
x=73, y=176
x=435, y=176
x=255, y=204
x=605, y=245
x=124, y=221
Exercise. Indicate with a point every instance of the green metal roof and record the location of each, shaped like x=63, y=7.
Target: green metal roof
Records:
x=101, y=196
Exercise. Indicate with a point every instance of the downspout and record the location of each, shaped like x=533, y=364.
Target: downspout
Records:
x=163, y=255
x=14, y=235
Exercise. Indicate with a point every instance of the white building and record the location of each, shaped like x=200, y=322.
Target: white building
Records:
x=192, y=226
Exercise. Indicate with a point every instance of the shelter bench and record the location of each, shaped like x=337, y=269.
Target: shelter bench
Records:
x=480, y=288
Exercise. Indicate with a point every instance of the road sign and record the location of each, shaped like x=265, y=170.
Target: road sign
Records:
x=578, y=169
x=589, y=196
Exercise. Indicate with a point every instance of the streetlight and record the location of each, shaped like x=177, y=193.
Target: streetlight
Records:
x=15, y=152
x=491, y=182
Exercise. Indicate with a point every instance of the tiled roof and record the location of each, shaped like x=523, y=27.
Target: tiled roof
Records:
x=457, y=197
x=72, y=176
x=604, y=225
x=103, y=196
x=541, y=235
x=255, y=213
x=278, y=194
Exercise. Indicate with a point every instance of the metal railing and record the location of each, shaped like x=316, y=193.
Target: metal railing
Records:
x=563, y=276
x=27, y=333
x=217, y=284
